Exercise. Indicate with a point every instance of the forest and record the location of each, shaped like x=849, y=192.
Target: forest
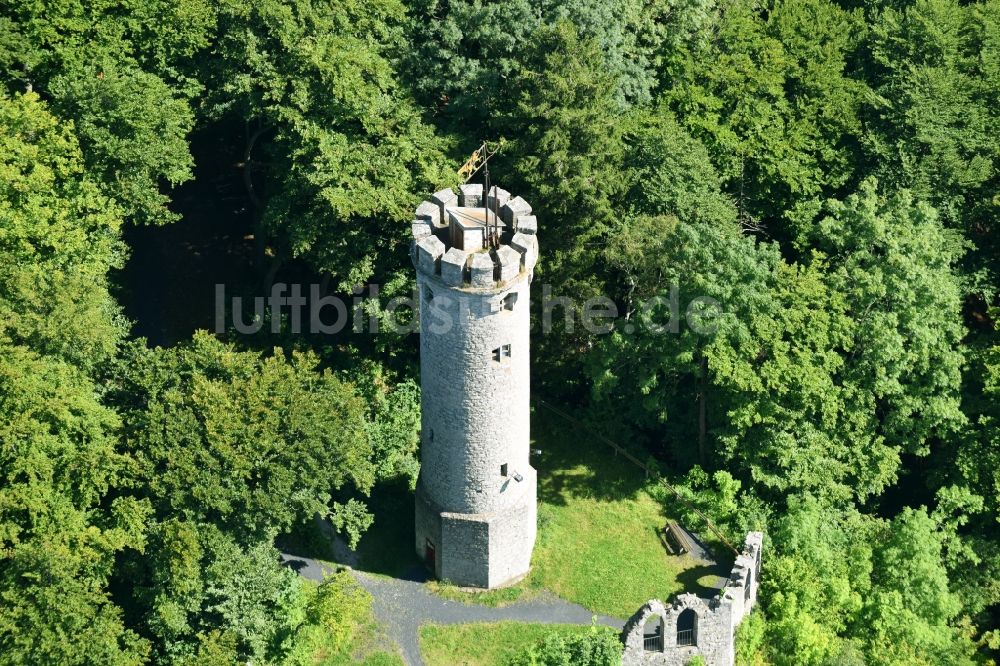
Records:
x=828, y=171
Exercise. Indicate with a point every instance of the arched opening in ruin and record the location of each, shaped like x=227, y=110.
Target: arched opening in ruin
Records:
x=652, y=634
x=687, y=627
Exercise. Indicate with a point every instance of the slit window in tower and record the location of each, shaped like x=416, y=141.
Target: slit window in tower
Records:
x=428, y=295
x=509, y=300
x=503, y=469
x=502, y=354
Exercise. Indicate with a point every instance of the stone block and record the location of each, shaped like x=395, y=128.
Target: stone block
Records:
x=429, y=252
x=453, y=267
x=470, y=195
x=481, y=270
x=497, y=197
x=429, y=211
x=527, y=247
x=421, y=228
x=514, y=209
x=444, y=198
x=527, y=224
x=510, y=262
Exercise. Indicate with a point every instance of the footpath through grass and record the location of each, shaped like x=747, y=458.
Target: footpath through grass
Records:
x=598, y=542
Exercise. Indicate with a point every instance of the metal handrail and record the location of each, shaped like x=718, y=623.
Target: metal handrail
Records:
x=652, y=643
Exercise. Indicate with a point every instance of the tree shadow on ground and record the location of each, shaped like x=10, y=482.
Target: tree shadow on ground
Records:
x=572, y=464
x=294, y=564
x=305, y=540
x=387, y=548
x=167, y=285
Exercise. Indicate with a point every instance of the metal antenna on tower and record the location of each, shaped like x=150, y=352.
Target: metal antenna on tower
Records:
x=480, y=160
x=491, y=233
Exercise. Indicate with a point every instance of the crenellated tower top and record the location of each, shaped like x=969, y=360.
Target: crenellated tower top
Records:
x=452, y=233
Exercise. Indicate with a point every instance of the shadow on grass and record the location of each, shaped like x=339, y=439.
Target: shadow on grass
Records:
x=704, y=580
x=568, y=467
x=387, y=548
x=573, y=464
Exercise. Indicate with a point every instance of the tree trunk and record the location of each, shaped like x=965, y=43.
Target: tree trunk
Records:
x=260, y=241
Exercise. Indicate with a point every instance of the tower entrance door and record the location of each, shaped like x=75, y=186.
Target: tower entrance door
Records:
x=429, y=555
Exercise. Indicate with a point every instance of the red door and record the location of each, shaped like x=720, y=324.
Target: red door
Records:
x=429, y=554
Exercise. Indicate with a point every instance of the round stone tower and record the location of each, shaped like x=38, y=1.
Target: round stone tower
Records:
x=475, y=499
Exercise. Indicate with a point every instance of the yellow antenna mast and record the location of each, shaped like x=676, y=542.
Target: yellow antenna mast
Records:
x=480, y=160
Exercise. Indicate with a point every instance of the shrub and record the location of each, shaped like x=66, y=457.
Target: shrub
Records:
x=598, y=647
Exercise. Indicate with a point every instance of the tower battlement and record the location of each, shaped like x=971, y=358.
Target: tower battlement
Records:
x=449, y=238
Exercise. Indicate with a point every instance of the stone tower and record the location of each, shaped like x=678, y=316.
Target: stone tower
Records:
x=475, y=499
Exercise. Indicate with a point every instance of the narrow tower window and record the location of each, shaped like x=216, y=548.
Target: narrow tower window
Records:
x=428, y=295
x=503, y=469
x=502, y=354
x=509, y=300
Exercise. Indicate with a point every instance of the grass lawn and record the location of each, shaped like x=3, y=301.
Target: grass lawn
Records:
x=598, y=528
x=374, y=659
x=383, y=659
x=598, y=542
x=491, y=644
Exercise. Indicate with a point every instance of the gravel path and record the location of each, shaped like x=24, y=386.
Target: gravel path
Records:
x=307, y=567
x=403, y=604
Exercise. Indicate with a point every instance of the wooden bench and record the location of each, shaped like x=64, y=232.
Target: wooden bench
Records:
x=675, y=539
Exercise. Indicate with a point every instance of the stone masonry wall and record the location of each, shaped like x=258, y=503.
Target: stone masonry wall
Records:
x=475, y=408
x=715, y=626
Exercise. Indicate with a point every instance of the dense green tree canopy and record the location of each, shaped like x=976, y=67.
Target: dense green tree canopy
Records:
x=249, y=443
x=792, y=205
x=118, y=70
x=58, y=240
x=57, y=462
x=335, y=148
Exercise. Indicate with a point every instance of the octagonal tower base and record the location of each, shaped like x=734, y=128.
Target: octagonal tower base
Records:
x=486, y=550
